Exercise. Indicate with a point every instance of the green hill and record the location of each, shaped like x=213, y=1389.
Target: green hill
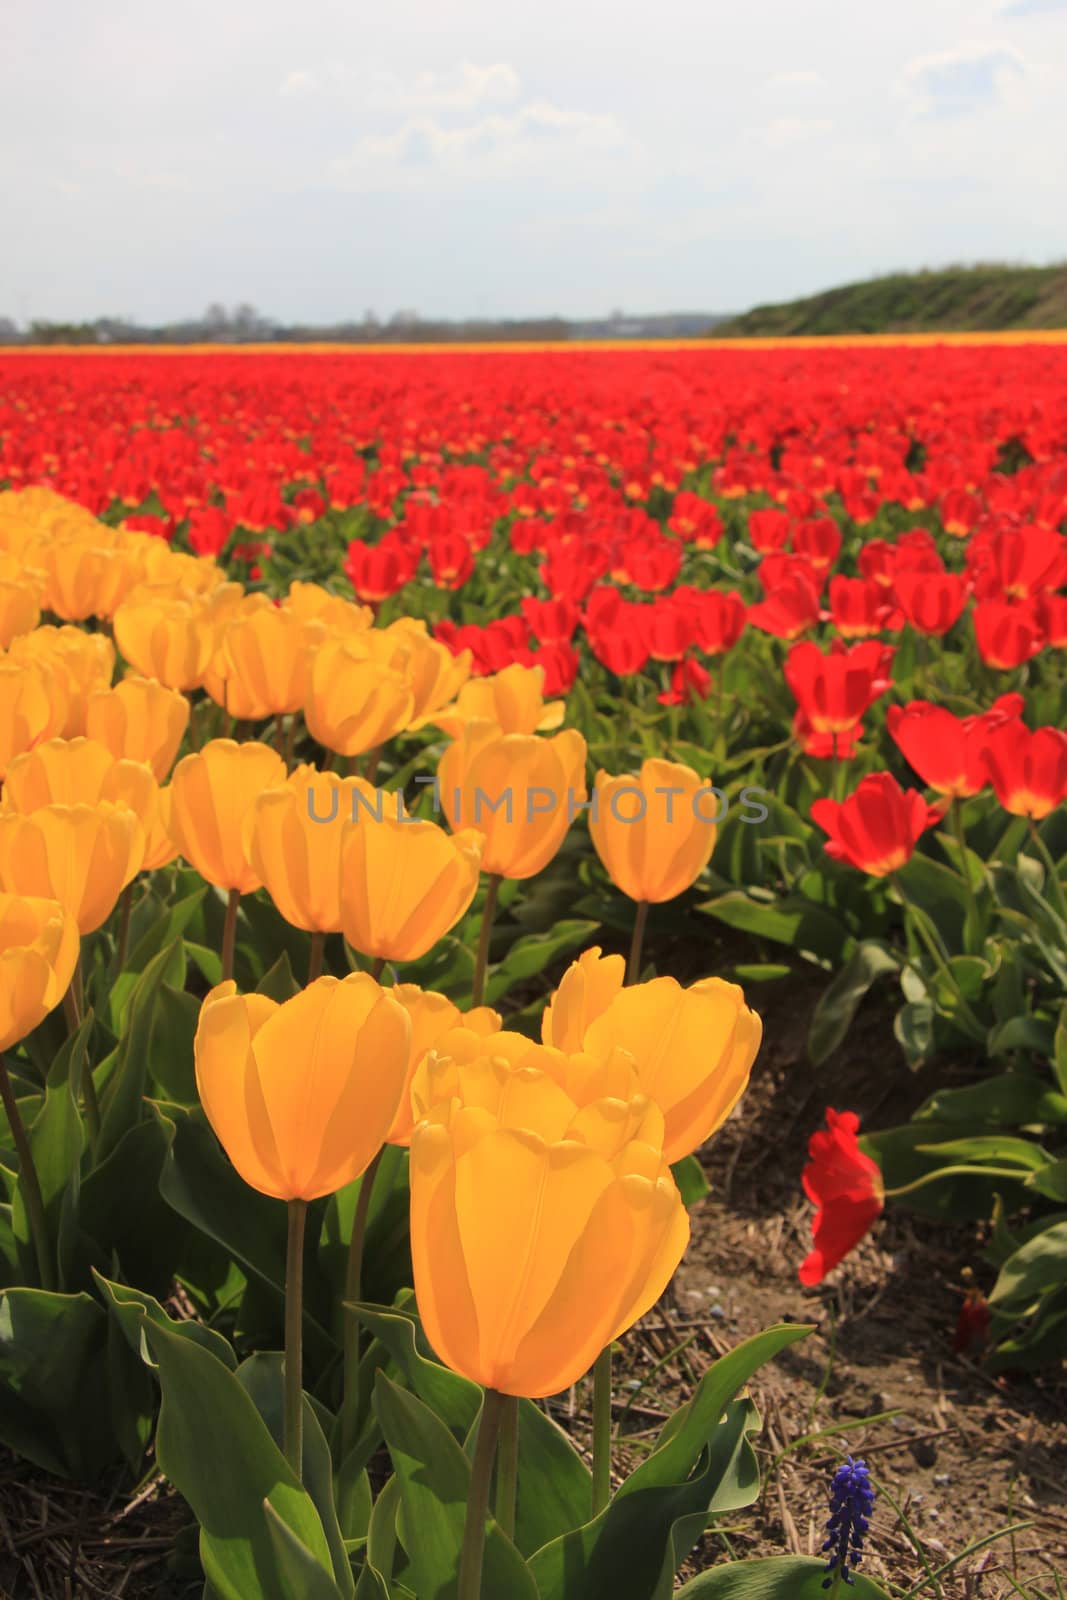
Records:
x=950, y=300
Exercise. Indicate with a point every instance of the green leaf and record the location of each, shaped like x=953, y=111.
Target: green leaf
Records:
x=555, y=1485
x=1008, y=1100
x=1039, y=1264
x=1031, y=1034
x=434, y=1480
x=1059, y=1050
x=122, y=1101
x=805, y=927
x=839, y=1003
x=130, y=1308
x=218, y=1452
x=279, y=983
x=53, y=1404
x=169, y=925
x=912, y=1151
x=702, y=1462
x=691, y=1180
x=263, y=1378
x=774, y=1578
x=302, y=1577
x=1050, y=1180
x=534, y=952
x=172, y=1068
x=57, y=1139
x=453, y=1399
x=121, y=1212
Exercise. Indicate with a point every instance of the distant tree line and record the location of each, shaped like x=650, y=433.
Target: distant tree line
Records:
x=243, y=324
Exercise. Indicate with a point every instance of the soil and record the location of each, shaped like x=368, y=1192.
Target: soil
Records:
x=962, y=1457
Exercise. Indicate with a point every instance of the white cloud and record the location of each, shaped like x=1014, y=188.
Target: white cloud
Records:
x=791, y=82
x=299, y=83
x=537, y=140
x=785, y=131
x=463, y=88
x=967, y=78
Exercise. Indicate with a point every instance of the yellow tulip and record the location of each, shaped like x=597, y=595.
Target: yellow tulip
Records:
x=81, y=855
x=512, y=698
x=293, y=838
x=38, y=953
x=434, y=673
x=265, y=663
x=354, y=702
x=436, y=1024
x=693, y=1048
x=589, y=985
x=311, y=602
x=302, y=1095
x=404, y=883
x=76, y=663
x=520, y=790
x=26, y=708
x=540, y=1229
x=211, y=793
x=141, y=720
x=649, y=830
x=166, y=638
x=72, y=771
x=20, y=608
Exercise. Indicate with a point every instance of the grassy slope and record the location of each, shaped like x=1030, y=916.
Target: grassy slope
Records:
x=955, y=299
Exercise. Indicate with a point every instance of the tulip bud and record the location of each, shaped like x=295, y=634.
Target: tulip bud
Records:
x=39, y=950
x=293, y=837
x=404, y=883
x=81, y=855
x=140, y=719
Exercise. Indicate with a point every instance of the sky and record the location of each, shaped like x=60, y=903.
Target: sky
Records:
x=321, y=159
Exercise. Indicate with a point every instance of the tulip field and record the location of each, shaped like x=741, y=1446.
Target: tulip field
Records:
x=496, y=845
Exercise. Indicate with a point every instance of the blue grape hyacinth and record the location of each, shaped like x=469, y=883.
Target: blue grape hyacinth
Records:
x=851, y=1504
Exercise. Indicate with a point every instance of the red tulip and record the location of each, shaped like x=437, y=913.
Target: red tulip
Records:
x=931, y=601
x=834, y=690
x=1006, y=634
x=1028, y=770
x=947, y=751
x=877, y=827
x=845, y=1187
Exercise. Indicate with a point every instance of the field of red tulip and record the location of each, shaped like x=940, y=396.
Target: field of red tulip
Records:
x=423, y=774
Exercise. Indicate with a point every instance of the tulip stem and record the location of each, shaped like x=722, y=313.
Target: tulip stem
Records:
x=318, y=946
x=279, y=736
x=293, y=1434
x=28, y=1180
x=1019, y=1173
x=74, y=1006
x=1052, y=884
x=350, y=1418
x=470, y=1560
x=507, y=1465
x=481, y=963
x=602, y=1430
x=377, y=967
x=966, y=1015
x=125, y=911
x=961, y=843
x=633, y=966
x=229, y=933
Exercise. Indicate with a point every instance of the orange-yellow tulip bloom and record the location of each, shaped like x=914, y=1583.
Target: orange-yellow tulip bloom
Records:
x=354, y=702
x=81, y=855
x=166, y=638
x=76, y=663
x=434, y=673
x=20, y=608
x=404, y=883
x=266, y=658
x=651, y=830
x=436, y=1024
x=72, y=771
x=512, y=698
x=26, y=708
x=693, y=1048
x=141, y=720
x=311, y=602
x=293, y=839
x=520, y=790
x=211, y=793
x=540, y=1229
x=38, y=953
x=302, y=1095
